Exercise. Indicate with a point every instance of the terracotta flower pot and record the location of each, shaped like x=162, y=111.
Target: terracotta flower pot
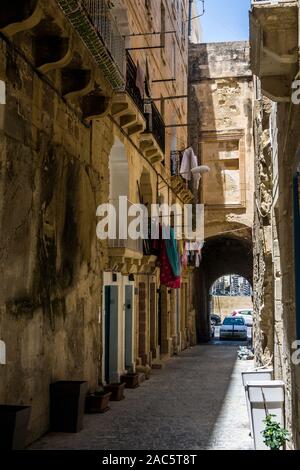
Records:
x=67, y=401
x=117, y=391
x=13, y=426
x=97, y=402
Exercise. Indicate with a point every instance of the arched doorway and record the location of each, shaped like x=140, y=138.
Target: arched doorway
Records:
x=221, y=255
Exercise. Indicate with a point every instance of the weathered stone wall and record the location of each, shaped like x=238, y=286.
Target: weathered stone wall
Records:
x=50, y=291
x=220, y=113
x=221, y=95
x=284, y=263
x=274, y=263
x=262, y=236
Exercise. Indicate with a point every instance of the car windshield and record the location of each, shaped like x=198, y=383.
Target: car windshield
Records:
x=233, y=321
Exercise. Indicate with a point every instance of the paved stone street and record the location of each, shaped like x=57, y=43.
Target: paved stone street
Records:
x=196, y=402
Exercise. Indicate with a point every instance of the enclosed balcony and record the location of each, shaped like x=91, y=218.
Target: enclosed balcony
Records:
x=274, y=46
x=91, y=19
x=97, y=28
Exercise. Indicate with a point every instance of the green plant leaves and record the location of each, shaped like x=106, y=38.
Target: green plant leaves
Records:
x=275, y=436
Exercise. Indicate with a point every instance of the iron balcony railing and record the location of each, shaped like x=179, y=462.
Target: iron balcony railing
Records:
x=107, y=28
x=131, y=86
x=98, y=30
x=175, y=165
x=155, y=123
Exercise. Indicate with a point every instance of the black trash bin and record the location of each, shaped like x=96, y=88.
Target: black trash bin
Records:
x=14, y=421
x=67, y=401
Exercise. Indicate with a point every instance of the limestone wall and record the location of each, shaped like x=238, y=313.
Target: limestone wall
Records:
x=50, y=294
x=221, y=98
x=274, y=261
x=262, y=246
x=284, y=265
x=220, y=117
x=56, y=168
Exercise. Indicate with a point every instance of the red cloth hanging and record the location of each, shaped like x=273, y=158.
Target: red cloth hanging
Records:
x=167, y=277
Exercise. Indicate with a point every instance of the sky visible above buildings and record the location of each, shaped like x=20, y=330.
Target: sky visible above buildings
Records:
x=225, y=20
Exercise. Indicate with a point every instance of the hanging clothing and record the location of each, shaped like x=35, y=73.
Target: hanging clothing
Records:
x=184, y=258
x=167, y=277
x=172, y=249
x=169, y=260
x=189, y=161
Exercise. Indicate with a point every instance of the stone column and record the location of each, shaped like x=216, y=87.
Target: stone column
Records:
x=165, y=322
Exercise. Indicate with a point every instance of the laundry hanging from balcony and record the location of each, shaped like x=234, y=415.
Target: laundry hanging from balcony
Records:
x=188, y=162
x=193, y=253
x=168, y=257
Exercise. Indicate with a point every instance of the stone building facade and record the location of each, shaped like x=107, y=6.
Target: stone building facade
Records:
x=274, y=44
x=74, y=134
x=220, y=128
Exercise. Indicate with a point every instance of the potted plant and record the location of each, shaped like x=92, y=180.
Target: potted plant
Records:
x=14, y=422
x=97, y=402
x=275, y=436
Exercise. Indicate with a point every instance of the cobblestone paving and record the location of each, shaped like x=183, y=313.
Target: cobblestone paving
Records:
x=195, y=402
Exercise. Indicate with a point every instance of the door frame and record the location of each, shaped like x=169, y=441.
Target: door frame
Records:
x=121, y=283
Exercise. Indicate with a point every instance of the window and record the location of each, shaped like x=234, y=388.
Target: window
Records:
x=223, y=157
x=246, y=312
x=234, y=321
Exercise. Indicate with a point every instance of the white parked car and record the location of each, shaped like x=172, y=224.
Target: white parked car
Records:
x=233, y=327
x=246, y=313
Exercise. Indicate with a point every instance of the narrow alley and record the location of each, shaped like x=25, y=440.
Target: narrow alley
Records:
x=149, y=225
x=195, y=402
